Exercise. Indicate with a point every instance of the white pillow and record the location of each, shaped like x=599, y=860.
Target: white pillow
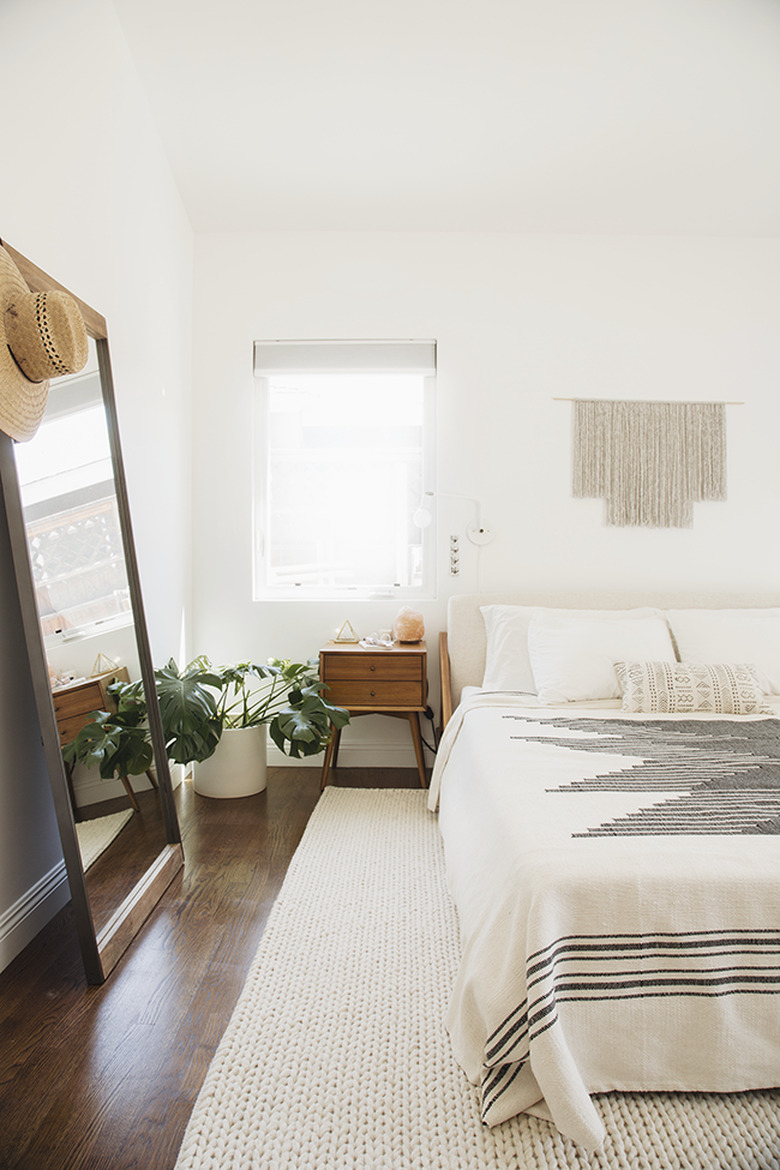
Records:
x=732, y=636
x=507, y=664
x=572, y=659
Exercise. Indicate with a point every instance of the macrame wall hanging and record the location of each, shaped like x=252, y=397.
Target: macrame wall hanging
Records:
x=649, y=461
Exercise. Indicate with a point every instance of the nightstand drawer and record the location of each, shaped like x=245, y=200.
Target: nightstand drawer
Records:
x=69, y=728
x=379, y=693
x=388, y=667
x=85, y=698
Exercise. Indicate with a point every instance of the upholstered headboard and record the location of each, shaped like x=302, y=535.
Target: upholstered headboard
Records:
x=466, y=641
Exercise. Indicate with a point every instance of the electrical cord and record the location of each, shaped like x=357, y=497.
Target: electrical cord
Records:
x=432, y=748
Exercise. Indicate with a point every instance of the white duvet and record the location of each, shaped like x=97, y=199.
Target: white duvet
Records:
x=617, y=880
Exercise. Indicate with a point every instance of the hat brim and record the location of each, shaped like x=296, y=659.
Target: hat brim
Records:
x=22, y=402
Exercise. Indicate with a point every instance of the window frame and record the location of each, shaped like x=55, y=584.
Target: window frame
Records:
x=262, y=590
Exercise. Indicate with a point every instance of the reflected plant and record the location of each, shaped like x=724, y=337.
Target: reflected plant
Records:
x=115, y=742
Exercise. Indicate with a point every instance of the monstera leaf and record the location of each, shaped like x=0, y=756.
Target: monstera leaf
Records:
x=111, y=745
x=191, y=722
x=304, y=726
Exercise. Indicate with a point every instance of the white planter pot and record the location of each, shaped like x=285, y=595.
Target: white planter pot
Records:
x=238, y=766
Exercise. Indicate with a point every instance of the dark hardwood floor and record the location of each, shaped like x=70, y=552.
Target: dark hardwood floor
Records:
x=104, y=1078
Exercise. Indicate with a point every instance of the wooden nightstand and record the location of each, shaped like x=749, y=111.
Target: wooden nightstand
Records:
x=376, y=682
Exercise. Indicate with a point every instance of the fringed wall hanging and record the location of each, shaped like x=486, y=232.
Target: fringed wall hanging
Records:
x=649, y=461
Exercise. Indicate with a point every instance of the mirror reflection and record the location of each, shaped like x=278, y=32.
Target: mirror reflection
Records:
x=83, y=598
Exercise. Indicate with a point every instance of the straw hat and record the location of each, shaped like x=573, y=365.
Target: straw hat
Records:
x=42, y=336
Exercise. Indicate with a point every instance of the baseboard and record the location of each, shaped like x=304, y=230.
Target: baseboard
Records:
x=365, y=755
x=90, y=789
x=20, y=923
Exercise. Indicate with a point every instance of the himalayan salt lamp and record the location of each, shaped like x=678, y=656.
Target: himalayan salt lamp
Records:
x=409, y=625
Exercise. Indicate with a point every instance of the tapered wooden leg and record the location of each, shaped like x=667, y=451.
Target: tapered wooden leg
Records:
x=334, y=763
x=130, y=793
x=414, y=724
x=331, y=755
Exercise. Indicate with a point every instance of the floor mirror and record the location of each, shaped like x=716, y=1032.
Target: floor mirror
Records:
x=77, y=577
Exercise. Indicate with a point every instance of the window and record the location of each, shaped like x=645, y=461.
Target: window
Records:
x=343, y=456
x=70, y=510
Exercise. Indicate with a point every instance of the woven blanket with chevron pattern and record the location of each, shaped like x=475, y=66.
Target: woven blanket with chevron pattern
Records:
x=617, y=880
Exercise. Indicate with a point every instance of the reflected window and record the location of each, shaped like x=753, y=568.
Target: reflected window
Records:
x=71, y=514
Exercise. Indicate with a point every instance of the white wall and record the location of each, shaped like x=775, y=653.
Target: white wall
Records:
x=520, y=320
x=87, y=194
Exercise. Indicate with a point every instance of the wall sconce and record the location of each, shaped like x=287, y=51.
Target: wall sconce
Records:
x=478, y=531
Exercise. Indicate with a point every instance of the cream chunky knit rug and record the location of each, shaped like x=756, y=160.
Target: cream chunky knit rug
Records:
x=336, y=1057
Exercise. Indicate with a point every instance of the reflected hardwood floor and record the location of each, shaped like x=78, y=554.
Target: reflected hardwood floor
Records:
x=127, y=858
x=105, y=1078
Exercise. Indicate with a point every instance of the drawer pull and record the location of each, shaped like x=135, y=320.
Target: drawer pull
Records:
x=372, y=668
x=373, y=694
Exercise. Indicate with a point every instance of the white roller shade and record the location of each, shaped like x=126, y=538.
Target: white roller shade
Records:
x=344, y=357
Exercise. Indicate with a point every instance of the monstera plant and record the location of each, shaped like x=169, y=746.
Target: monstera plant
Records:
x=199, y=703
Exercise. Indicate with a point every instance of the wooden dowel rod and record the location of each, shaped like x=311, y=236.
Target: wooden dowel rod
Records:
x=40, y=281
x=673, y=401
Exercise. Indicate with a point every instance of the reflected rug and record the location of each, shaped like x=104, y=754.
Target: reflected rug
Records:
x=336, y=1057
x=96, y=836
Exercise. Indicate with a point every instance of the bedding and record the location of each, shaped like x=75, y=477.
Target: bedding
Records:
x=730, y=635
x=507, y=660
x=573, y=659
x=616, y=877
x=507, y=665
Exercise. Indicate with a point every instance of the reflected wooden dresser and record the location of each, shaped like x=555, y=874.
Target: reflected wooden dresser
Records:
x=75, y=701
x=370, y=681
x=73, y=705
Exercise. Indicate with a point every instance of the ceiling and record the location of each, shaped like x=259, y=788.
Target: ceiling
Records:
x=594, y=116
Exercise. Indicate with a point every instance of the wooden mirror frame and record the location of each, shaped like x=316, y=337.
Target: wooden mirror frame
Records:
x=100, y=951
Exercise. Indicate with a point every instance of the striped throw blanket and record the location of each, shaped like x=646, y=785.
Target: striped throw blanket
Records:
x=617, y=880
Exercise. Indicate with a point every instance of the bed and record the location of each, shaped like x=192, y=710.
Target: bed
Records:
x=609, y=802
